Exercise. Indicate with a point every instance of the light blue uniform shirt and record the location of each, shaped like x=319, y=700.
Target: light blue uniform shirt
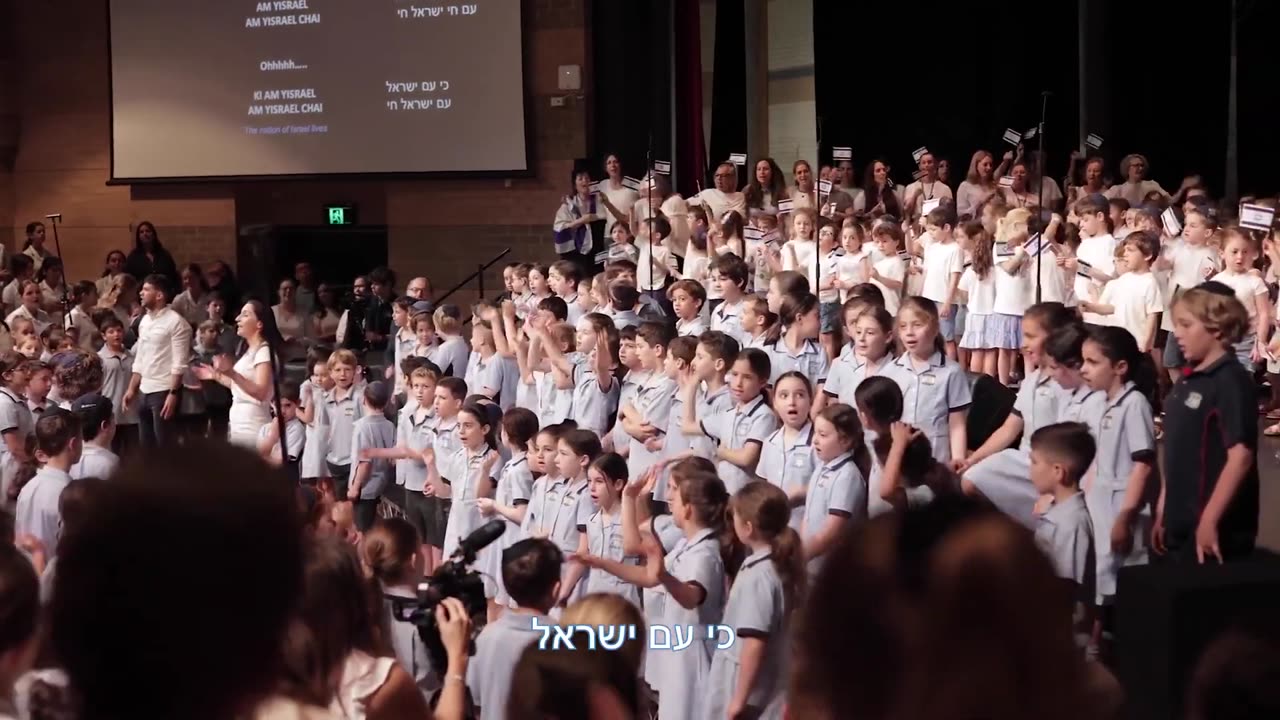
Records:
x=733, y=429
x=929, y=396
x=789, y=466
x=837, y=488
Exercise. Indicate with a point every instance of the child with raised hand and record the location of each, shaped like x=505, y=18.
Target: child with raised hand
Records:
x=617, y=439
x=556, y=386
x=837, y=490
x=511, y=496
x=692, y=576
x=787, y=458
x=936, y=393
x=740, y=431
x=1190, y=262
x=1118, y=494
x=997, y=470
x=594, y=389
x=606, y=478
x=1208, y=505
x=748, y=679
x=490, y=373
x=468, y=473
x=650, y=410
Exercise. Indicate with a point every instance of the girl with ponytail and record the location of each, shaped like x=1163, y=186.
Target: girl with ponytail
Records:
x=748, y=678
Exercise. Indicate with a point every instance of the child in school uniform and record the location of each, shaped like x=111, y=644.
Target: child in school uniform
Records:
x=890, y=272
x=403, y=342
x=98, y=426
x=943, y=266
x=606, y=477
x=996, y=470
x=1239, y=252
x=656, y=264
x=758, y=324
x=491, y=374
x=390, y=553
x=978, y=282
x=539, y=289
x=1096, y=254
x=1189, y=262
x=311, y=393
x=117, y=369
x=469, y=473
x=595, y=385
x=369, y=477
x=827, y=286
x=58, y=439
x=227, y=340
x=1208, y=506
x=650, y=409
x=787, y=458
x=729, y=275
x=870, y=328
x=510, y=499
x=555, y=387
x=560, y=509
x=837, y=489
x=1013, y=289
x=687, y=300
x=85, y=297
x=936, y=393
x=692, y=576
x=797, y=347
x=740, y=431
x=618, y=440
x=1133, y=300
x=748, y=680
x=342, y=406
x=295, y=433
x=39, y=383
x=1118, y=495
x=854, y=266
x=531, y=574
x=563, y=279
x=452, y=354
x=217, y=397
x=1060, y=455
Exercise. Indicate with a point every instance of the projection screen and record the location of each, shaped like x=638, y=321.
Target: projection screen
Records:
x=246, y=88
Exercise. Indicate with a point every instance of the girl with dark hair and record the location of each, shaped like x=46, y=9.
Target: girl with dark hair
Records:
x=149, y=257
x=111, y=269
x=192, y=302
x=251, y=377
x=881, y=197
x=34, y=246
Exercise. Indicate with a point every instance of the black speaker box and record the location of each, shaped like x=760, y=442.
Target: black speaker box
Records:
x=1166, y=615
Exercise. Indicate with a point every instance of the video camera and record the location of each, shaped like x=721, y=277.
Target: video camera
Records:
x=452, y=579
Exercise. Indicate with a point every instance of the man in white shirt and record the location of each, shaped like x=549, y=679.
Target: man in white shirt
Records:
x=724, y=196
x=162, y=353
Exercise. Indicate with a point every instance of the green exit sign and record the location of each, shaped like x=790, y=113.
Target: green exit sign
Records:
x=341, y=214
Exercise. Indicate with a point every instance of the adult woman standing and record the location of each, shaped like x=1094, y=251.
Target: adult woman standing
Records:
x=767, y=186
x=881, y=197
x=620, y=197
x=579, y=223
x=250, y=377
x=1135, y=188
x=1094, y=183
x=34, y=247
x=804, y=192
x=979, y=186
x=149, y=257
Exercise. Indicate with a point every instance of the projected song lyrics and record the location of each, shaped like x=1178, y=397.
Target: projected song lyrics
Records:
x=289, y=101
x=407, y=90
x=282, y=13
x=413, y=12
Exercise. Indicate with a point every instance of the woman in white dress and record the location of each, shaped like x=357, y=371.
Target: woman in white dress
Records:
x=250, y=377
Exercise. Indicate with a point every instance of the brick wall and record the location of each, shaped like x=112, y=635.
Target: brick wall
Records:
x=439, y=228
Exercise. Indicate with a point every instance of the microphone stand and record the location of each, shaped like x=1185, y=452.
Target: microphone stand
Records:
x=57, y=247
x=652, y=186
x=1044, y=108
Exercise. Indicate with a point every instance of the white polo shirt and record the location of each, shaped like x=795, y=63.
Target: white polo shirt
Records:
x=163, y=349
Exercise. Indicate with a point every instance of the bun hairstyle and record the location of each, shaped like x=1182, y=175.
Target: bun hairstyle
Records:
x=1006, y=230
x=767, y=508
x=388, y=549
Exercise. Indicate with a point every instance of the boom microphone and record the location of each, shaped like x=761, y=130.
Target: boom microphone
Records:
x=479, y=539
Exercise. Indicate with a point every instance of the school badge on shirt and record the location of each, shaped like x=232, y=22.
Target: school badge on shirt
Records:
x=1193, y=400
